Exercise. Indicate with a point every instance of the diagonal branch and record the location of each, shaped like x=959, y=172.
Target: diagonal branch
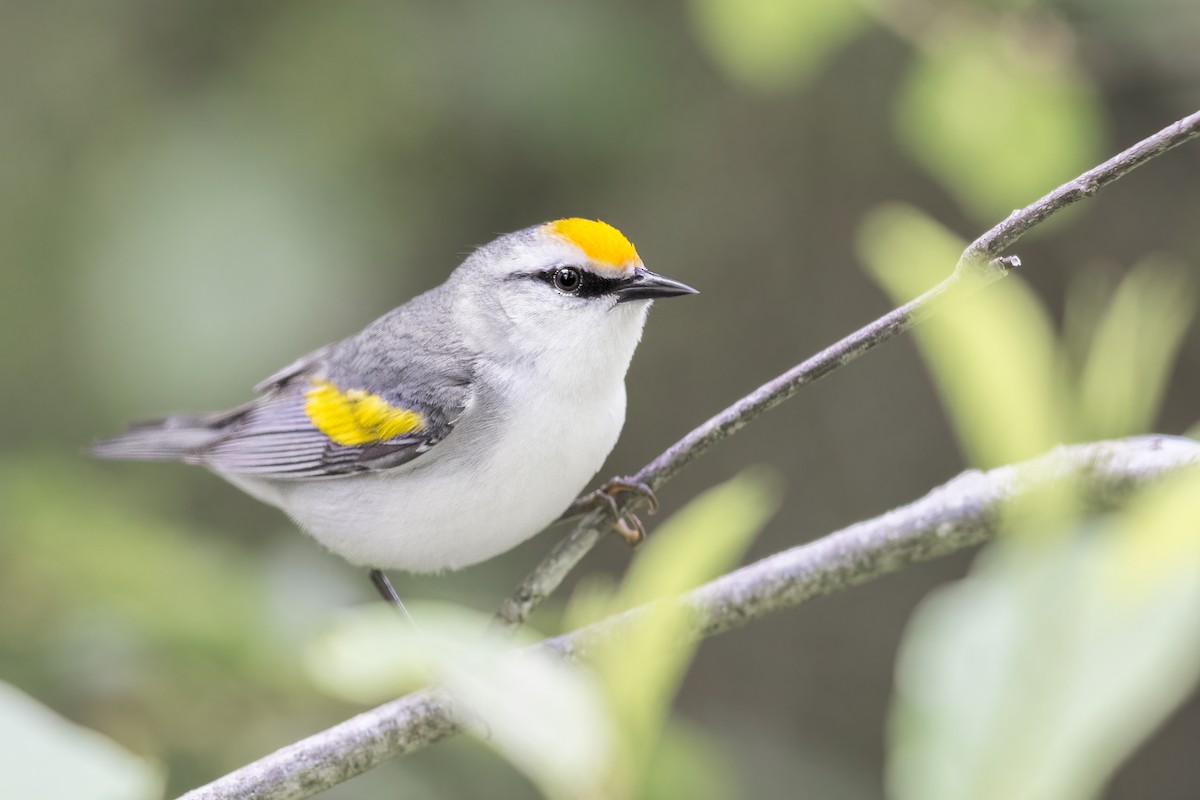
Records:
x=956, y=515
x=978, y=266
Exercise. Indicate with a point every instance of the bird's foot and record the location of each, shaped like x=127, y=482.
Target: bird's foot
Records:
x=625, y=523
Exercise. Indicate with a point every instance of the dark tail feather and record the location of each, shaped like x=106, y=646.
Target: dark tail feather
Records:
x=177, y=438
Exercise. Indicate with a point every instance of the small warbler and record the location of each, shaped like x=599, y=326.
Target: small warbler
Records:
x=454, y=427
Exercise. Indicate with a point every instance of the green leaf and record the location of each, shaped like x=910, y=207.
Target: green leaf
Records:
x=1036, y=676
x=689, y=763
x=905, y=249
x=367, y=654
x=1161, y=537
x=1134, y=345
x=998, y=115
x=546, y=717
x=773, y=45
x=641, y=669
x=571, y=730
x=702, y=539
x=994, y=356
x=51, y=758
x=81, y=549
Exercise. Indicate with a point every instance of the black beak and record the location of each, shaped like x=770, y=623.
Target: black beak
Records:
x=645, y=285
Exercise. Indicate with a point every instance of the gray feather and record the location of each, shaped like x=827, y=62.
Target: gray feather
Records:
x=410, y=357
x=179, y=438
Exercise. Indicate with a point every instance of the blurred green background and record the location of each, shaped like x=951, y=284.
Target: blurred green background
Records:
x=193, y=194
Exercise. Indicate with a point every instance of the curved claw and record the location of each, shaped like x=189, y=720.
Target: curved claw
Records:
x=625, y=524
x=631, y=529
x=642, y=493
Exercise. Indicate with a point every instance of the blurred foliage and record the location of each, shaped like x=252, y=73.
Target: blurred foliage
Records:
x=998, y=113
x=1035, y=677
x=641, y=671
x=1012, y=389
x=208, y=598
x=192, y=194
x=155, y=629
x=594, y=732
x=1067, y=645
x=86, y=766
x=546, y=717
x=772, y=45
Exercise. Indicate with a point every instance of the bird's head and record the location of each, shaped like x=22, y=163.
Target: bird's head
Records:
x=572, y=285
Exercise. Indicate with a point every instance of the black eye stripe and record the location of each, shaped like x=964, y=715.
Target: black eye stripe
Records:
x=591, y=284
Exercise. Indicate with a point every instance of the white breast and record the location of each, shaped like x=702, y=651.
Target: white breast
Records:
x=521, y=453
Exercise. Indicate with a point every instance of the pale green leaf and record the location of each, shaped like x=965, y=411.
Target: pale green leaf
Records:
x=999, y=117
x=367, y=654
x=1036, y=676
x=994, y=356
x=772, y=45
x=45, y=756
x=905, y=249
x=641, y=670
x=689, y=762
x=553, y=721
x=1161, y=541
x=1133, y=348
x=702, y=539
x=546, y=717
x=81, y=549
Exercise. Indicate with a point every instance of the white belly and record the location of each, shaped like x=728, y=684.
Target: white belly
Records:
x=495, y=481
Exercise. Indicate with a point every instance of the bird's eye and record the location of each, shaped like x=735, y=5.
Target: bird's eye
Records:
x=568, y=280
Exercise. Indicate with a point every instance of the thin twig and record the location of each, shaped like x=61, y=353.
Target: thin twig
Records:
x=979, y=262
x=957, y=515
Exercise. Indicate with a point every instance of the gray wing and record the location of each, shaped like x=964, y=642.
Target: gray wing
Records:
x=275, y=437
x=410, y=368
x=298, y=368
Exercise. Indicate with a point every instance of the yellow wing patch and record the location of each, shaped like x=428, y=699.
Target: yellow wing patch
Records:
x=598, y=240
x=357, y=416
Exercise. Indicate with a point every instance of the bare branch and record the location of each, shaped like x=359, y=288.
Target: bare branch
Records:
x=978, y=262
x=1020, y=222
x=963, y=512
x=339, y=753
x=957, y=515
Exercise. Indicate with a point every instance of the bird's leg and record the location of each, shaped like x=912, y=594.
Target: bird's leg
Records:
x=388, y=593
x=626, y=525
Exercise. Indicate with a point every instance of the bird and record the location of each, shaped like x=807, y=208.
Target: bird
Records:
x=455, y=426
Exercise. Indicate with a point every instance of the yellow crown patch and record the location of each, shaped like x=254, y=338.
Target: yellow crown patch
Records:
x=598, y=240
x=356, y=416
